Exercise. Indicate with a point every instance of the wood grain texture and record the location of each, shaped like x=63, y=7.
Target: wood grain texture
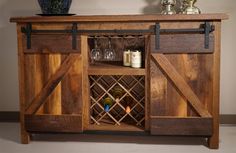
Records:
x=53, y=105
x=51, y=85
x=72, y=89
x=181, y=126
x=122, y=18
x=108, y=69
x=85, y=82
x=182, y=43
x=214, y=139
x=147, y=82
x=51, y=43
x=176, y=103
x=180, y=83
x=158, y=91
x=25, y=136
x=53, y=123
x=198, y=73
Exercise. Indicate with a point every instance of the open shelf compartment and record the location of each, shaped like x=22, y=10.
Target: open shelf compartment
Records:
x=126, y=111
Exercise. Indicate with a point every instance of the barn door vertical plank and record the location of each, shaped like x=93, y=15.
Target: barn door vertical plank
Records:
x=53, y=105
x=176, y=103
x=72, y=89
x=158, y=91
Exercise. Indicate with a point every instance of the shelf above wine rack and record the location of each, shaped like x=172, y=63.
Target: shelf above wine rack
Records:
x=132, y=95
x=114, y=69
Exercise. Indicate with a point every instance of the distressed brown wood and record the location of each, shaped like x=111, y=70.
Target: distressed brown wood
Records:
x=147, y=82
x=53, y=104
x=51, y=85
x=85, y=82
x=51, y=43
x=71, y=87
x=180, y=86
x=25, y=136
x=214, y=139
x=180, y=83
x=180, y=43
x=181, y=126
x=109, y=69
x=53, y=123
x=122, y=127
x=122, y=18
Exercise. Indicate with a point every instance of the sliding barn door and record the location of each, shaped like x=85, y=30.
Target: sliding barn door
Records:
x=53, y=84
x=181, y=85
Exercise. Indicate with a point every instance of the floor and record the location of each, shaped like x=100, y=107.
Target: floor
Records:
x=100, y=143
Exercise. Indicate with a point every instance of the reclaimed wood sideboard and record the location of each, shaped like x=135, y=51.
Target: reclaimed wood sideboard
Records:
x=175, y=92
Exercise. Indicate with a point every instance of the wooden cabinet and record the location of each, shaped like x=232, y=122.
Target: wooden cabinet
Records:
x=175, y=92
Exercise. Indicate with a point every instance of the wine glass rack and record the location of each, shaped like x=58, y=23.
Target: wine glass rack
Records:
x=133, y=95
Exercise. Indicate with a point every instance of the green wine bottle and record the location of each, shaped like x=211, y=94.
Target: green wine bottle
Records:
x=117, y=93
x=107, y=104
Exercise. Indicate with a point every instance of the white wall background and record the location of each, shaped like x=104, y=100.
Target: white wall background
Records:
x=8, y=44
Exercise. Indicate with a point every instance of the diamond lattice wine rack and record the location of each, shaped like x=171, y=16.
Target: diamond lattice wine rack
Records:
x=126, y=95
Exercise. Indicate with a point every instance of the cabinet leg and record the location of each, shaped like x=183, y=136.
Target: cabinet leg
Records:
x=213, y=142
x=25, y=137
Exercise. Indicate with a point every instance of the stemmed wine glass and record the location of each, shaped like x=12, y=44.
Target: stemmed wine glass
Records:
x=96, y=53
x=109, y=53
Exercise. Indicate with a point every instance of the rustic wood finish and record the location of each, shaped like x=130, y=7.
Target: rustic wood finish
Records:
x=179, y=82
x=122, y=18
x=54, y=43
x=181, y=126
x=179, y=43
x=51, y=85
x=214, y=139
x=53, y=123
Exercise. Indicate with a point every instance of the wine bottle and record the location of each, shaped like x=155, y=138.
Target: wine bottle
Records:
x=107, y=104
x=117, y=93
x=128, y=101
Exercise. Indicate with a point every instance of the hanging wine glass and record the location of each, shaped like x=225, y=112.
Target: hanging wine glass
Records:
x=109, y=53
x=96, y=53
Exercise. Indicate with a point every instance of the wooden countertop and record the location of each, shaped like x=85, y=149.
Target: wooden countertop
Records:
x=122, y=18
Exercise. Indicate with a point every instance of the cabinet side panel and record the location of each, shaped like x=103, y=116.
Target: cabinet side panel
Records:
x=215, y=108
x=25, y=138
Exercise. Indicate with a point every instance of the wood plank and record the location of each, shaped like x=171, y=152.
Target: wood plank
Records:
x=176, y=104
x=198, y=74
x=53, y=105
x=147, y=83
x=25, y=136
x=85, y=82
x=108, y=69
x=51, y=43
x=34, y=77
x=123, y=127
x=72, y=89
x=214, y=139
x=158, y=92
x=51, y=84
x=180, y=83
x=53, y=123
x=182, y=43
x=181, y=126
x=122, y=18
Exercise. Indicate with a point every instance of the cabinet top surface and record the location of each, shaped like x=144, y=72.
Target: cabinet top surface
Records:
x=122, y=18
